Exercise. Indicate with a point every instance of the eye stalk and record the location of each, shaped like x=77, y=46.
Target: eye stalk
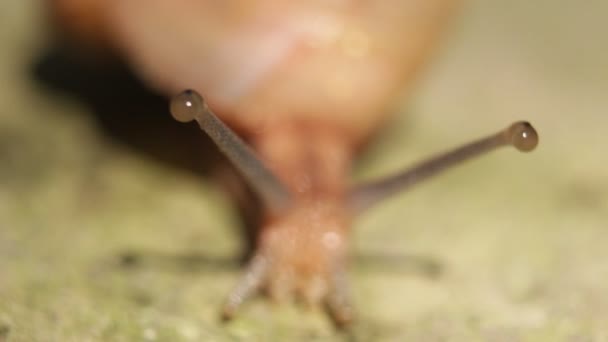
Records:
x=190, y=105
x=520, y=135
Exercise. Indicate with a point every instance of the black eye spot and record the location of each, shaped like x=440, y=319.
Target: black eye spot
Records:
x=186, y=105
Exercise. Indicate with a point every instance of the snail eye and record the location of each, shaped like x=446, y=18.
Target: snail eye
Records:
x=523, y=136
x=187, y=105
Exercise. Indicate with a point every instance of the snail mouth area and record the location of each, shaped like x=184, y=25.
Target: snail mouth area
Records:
x=303, y=256
x=287, y=283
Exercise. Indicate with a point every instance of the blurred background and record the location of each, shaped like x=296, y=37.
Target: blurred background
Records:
x=111, y=231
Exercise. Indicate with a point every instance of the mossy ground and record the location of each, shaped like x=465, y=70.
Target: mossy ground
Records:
x=98, y=242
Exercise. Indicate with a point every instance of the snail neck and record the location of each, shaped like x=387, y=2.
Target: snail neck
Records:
x=313, y=160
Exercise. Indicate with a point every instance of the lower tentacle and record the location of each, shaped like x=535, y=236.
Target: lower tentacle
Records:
x=254, y=276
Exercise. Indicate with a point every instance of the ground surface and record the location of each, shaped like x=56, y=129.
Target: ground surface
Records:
x=98, y=241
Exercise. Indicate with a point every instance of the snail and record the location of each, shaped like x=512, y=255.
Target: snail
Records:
x=298, y=87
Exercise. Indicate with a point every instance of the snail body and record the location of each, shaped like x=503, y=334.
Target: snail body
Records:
x=305, y=84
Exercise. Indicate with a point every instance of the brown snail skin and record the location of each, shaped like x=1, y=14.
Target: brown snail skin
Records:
x=306, y=84
x=302, y=248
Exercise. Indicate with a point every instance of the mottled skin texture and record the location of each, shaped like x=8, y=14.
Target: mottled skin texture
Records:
x=305, y=82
